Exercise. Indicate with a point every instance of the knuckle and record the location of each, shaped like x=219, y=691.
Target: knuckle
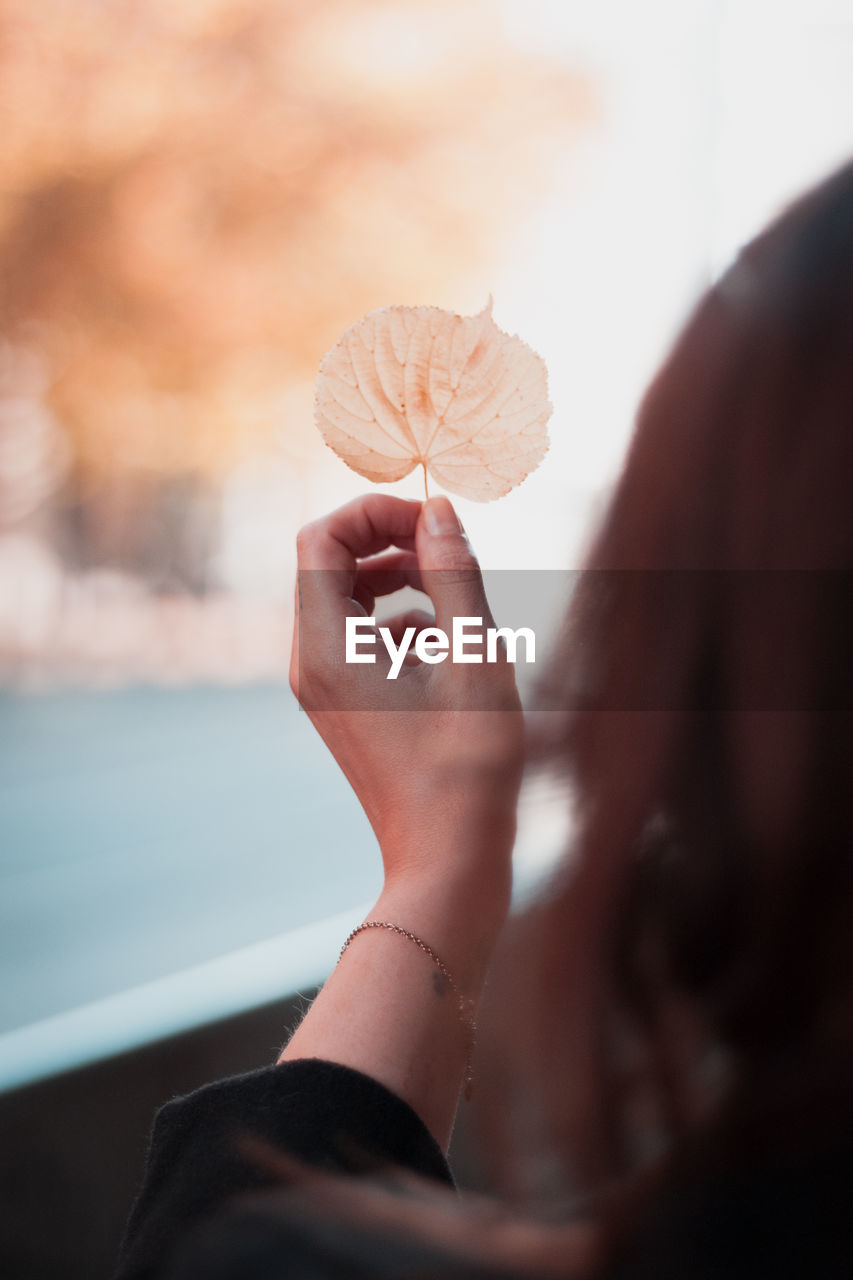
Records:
x=458, y=575
x=306, y=537
x=453, y=558
x=294, y=674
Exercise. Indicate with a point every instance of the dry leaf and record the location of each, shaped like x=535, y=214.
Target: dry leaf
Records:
x=417, y=386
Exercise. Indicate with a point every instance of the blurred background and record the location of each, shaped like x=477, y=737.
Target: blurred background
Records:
x=196, y=198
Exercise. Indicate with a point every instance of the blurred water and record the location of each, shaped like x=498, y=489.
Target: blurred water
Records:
x=148, y=830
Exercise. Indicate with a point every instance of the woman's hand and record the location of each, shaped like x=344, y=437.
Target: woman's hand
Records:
x=435, y=757
x=437, y=751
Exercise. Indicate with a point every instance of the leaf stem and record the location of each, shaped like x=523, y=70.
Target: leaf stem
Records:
x=426, y=485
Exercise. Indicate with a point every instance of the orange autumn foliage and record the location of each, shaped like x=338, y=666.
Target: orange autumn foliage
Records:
x=194, y=198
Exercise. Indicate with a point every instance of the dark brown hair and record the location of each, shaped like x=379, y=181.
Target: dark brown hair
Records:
x=693, y=961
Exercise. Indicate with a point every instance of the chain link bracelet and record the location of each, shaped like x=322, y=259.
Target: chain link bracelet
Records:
x=464, y=1005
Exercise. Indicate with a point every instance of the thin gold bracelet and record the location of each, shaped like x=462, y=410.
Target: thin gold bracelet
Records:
x=464, y=1005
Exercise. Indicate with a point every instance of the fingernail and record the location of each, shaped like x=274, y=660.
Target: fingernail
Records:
x=439, y=516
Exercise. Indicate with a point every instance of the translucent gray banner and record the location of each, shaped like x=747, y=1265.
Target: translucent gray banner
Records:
x=711, y=640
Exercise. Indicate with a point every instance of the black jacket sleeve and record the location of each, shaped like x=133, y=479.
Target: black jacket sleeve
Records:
x=317, y=1112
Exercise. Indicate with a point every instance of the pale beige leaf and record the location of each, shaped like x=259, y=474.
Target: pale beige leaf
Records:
x=417, y=386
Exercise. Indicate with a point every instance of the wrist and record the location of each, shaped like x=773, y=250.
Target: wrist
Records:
x=451, y=828
x=460, y=914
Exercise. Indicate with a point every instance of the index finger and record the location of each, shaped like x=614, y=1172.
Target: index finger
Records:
x=328, y=550
x=361, y=528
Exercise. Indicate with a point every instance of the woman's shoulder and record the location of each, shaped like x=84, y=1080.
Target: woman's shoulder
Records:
x=781, y=1214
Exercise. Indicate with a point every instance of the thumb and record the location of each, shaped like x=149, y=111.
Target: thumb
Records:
x=449, y=569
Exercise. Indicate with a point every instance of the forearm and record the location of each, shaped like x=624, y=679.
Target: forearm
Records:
x=387, y=1010
x=435, y=758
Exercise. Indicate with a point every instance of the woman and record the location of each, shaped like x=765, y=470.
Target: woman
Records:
x=684, y=1032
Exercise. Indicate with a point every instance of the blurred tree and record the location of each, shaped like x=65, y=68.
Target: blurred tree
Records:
x=196, y=196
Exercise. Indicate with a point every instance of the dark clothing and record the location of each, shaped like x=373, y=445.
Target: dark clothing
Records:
x=321, y=1113
x=209, y=1209
x=318, y=1112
